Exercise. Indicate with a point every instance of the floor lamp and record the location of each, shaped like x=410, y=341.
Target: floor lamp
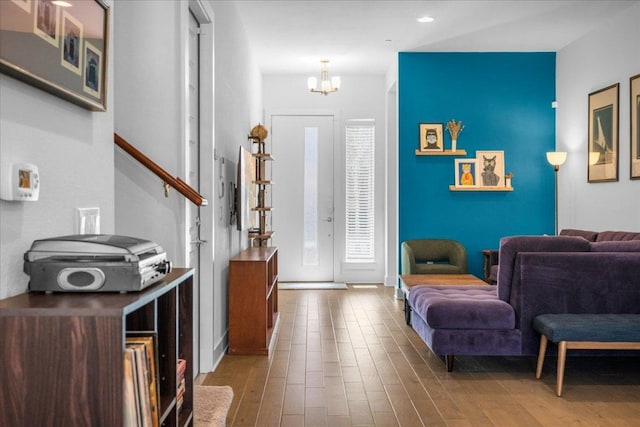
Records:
x=556, y=158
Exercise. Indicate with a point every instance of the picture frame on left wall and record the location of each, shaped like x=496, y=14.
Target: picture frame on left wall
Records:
x=602, y=142
x=634, y=122
x=48, y=45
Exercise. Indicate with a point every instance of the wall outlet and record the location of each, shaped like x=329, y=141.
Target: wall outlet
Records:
x=88, y=221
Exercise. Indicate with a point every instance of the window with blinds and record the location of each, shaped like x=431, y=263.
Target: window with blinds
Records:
x=360, y=183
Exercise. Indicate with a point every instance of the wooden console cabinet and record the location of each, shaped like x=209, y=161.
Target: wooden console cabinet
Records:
x=62, y=354
x=253, y=300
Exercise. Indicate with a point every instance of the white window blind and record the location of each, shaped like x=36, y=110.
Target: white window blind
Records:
x=360, y=156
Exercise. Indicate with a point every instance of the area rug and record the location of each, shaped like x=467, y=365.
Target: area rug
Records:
x=210, y=405
x=310, y=285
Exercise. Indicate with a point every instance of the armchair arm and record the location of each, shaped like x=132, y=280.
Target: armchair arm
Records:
x=458, y=256
x=408, y=261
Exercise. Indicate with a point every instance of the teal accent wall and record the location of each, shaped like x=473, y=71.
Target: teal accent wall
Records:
x=504, y=101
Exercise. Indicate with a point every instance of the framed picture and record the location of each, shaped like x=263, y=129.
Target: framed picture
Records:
x=602, y=142
x=431, y=137
x=62, y=50
x=490, y=168
x=71, y=51
x=634, y=85
x=466, y=172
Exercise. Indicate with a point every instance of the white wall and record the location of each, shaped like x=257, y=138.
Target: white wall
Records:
x=73, y=149
x=148, y=114
x=238, y=106
x=360, y=97
x=609, y=55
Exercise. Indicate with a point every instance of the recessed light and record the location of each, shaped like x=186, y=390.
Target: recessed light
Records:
x=61, y=3
x=425, y=19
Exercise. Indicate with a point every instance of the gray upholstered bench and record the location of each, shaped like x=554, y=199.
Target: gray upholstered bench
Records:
x=585, y=331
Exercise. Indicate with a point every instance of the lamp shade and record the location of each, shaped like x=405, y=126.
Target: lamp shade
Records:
x=556, y=158
x=311, y=83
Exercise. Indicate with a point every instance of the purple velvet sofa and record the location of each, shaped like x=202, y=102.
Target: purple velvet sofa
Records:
x=536, y=275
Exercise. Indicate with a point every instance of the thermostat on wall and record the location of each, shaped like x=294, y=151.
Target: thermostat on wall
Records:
x=20, y=182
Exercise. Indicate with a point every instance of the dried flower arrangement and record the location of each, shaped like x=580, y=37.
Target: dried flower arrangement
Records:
x=454, y=128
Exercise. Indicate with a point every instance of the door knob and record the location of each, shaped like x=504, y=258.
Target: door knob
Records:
x=329, y=219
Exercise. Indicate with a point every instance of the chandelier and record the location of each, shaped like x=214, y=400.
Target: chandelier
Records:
x=326, y=86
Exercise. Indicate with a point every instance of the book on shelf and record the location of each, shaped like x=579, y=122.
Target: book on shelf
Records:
x=181, y=371
x=142, y=345
x=130, y=401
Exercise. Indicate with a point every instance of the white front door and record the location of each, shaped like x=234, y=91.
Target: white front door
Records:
x=302, y=194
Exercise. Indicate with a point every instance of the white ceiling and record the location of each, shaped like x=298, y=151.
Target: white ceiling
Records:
x=364, y=37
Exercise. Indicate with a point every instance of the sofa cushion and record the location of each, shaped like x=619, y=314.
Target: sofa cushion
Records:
x=511, y=246
x=616, y=246
x=461, y=307
x=606, y=236
x=589, y=235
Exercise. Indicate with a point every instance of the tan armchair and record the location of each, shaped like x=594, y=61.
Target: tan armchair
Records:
x=433, y=256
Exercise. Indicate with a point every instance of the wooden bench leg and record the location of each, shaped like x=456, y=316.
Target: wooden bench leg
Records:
x=541, y=354
x=562, y=358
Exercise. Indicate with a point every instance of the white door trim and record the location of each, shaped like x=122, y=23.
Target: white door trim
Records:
x=205, y=347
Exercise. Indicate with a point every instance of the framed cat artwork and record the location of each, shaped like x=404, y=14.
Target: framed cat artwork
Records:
x=466, y=172
x=490, y=168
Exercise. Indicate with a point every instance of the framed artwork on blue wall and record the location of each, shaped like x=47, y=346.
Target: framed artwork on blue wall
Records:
x=490, y=168
x=466, y=172
x=602, y=142
x=634, y=85
x=431, y=137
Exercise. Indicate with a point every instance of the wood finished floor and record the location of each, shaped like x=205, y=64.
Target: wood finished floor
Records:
x=346, y=358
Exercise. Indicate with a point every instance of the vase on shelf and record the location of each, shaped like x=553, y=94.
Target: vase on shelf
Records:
x=454, y=144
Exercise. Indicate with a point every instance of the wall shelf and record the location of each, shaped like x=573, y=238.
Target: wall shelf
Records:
x=441, y=153
x=454, y=188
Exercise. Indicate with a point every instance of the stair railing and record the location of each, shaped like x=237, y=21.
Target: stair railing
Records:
x=167, y=180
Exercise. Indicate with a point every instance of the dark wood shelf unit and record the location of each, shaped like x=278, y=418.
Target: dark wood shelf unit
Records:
x=63, y=353
x=253, y=300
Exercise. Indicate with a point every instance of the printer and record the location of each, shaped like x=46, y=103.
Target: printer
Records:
x=94, y=263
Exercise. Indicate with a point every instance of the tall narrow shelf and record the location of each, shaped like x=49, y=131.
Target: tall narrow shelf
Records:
x=64, y=353
x=253, y=300
x=261, y=236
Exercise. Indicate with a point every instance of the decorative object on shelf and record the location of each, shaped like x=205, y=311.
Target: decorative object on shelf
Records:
x=490, y=168
x=507, y=179
x=60, y=50
x=454, y=129
x=602, y=142
x=326, y=85
x=466, y=172
x=260, y=132
x=556, y=158
x=431, y=137
x=634, y=122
